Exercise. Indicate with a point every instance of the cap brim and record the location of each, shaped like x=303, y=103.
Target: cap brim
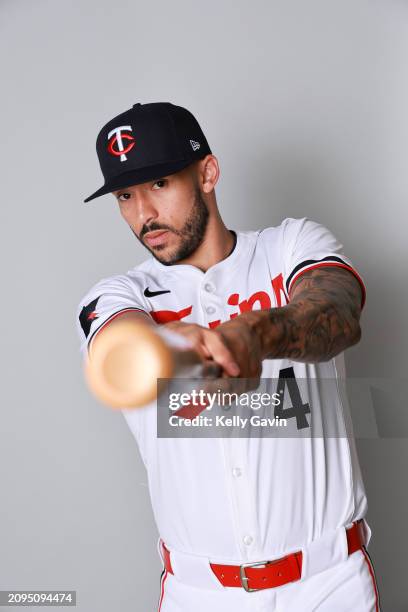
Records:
x=135, y=177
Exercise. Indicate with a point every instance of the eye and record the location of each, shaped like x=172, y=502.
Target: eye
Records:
x=122, y=197
x=160, y=182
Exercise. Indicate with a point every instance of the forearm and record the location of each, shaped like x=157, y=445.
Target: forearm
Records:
x=305, y=332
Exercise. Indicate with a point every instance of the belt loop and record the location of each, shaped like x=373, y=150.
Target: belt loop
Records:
x=324, y=552
x=366, y=531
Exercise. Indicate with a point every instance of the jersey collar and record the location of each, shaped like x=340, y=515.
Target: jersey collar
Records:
x=229, y=261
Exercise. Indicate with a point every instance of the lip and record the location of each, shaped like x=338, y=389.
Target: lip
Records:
x=156, y=237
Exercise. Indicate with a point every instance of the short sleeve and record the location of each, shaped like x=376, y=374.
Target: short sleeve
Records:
x=104, y=302
x=308, y=245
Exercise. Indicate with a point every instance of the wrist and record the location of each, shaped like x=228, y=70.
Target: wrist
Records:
x=259, y=322
x=270, y=328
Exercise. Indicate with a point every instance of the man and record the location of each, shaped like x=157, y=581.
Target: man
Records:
x=245, y=523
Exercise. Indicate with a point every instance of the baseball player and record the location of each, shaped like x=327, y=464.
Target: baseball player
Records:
x=251, y=523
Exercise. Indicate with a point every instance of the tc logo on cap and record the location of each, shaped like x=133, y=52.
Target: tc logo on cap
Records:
x=116, y=137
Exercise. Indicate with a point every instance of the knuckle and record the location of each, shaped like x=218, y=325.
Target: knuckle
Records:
x=217, y=341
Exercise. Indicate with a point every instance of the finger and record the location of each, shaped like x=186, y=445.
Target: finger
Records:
x=211, y=369
x=205, y=351
x=220, y=352
x=198, y=345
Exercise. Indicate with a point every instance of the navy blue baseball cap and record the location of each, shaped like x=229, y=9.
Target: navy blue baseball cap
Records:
x=147, y=142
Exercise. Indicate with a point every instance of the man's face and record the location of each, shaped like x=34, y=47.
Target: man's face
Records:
x=168, y=216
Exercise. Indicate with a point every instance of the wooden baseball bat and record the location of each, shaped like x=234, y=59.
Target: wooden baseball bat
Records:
x=130, y=356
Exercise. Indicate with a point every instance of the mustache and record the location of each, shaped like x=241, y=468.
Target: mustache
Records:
x=153, y=227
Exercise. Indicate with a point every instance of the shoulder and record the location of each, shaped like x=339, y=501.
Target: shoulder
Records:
x=110, y=296
x=286, y=231
x=127, y=284
x=288, y=224
x=291, y=229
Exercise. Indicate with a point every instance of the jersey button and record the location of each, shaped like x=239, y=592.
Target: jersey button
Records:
x=248, y=540
x=236, y=471
x=210, y=310
x=208, y=287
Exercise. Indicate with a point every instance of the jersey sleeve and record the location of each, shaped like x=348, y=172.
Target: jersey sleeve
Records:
x=308, y=245
x=105, y=301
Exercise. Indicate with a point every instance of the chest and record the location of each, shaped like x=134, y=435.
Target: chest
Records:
x=219, y=294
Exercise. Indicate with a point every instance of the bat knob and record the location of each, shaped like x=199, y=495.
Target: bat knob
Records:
x=123, y=368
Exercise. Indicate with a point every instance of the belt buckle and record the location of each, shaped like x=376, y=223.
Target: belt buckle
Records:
x=244, y=578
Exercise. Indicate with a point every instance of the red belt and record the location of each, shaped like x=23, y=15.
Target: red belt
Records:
x=253, y=577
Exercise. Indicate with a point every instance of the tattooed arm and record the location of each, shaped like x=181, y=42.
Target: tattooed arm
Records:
x=321, y=320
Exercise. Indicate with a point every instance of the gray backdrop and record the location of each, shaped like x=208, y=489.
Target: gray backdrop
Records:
x=304, y=104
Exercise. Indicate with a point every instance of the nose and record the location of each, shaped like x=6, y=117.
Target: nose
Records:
x=145, y=211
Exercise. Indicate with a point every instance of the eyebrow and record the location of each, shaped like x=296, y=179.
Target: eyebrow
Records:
x=152, y=182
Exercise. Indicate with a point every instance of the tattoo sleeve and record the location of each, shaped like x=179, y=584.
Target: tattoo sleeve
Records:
x=320, y=321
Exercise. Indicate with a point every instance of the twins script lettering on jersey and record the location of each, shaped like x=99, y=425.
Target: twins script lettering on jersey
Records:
x=244, y=305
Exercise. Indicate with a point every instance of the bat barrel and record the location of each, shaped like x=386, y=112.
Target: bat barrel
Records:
x=130, y=356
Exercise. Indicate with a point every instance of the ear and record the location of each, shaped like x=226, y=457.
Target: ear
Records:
x=208, y=173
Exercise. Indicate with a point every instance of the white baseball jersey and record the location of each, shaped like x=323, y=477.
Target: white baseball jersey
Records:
x=237, y=499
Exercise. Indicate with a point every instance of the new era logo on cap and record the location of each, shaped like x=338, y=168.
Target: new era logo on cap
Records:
x=195, y=145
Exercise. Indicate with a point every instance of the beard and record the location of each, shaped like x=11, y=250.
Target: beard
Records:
x=192, y=233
